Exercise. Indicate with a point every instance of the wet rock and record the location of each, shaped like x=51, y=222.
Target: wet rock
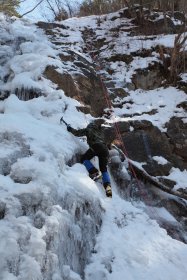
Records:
x=175, y=230
x=49, y=28
x=149, y=78
x=26, y=94
x=126, y=13
x=117, y=93
x=183, y=105
x=143, y=52
x=150, y=26
x=169, y=183
x=2, y=209
x=154, y=16
x=179, y=16
x=164, y=25
x=176, y=207
x=121, y=57
x=183, y=190
x=123, y=126
x=155, y=169
x=182, y=85
x=66, y=57
x=141, y=125
x=4, y=95
x=5, y=166
x=146, y=141
x=50, y=25
x=177, y=132
x=20, y=177
x=110, y=84
x=130, y=86
x=39, y=219
x=100, y=42
x=72, y=56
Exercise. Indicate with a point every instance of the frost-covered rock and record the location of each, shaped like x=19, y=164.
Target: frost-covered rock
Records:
x=13, y=147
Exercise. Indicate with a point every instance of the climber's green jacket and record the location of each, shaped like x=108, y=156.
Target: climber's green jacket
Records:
x=93, y=132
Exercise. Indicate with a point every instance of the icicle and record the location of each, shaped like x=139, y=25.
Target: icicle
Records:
x=26, y=94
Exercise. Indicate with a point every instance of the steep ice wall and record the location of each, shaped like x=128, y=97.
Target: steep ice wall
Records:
x=49, y=213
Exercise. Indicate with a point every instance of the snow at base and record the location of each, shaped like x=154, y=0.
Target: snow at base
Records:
x=132, y=246
x=43, y=198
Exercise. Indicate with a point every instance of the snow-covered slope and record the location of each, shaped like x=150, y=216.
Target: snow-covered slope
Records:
x=132, y=246
x=55, y=222
x=110, y=39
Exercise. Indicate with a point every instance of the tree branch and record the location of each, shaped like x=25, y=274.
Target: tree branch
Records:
x=154, y=181
x=51, y=8
x=32, y=9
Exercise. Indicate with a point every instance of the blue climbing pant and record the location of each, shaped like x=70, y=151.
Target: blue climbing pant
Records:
x=101, y=151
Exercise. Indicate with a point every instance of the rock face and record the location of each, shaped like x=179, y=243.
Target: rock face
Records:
x=145, y=142
x=121, y=57
x=91, y=91
x=132, y=189
x=80, y=81
x=142, y=144
x=177, y=132
x=64, y=81
x=83, y=85
x=147, y=79
x=50, y=26
x=152, y=24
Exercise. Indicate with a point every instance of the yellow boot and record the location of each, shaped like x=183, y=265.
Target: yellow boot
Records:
x=108, y=190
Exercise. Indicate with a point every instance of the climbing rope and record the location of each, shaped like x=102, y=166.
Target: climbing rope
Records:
x=116, y=126
x=143, y=193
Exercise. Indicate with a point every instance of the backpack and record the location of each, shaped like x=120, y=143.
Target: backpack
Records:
x=94, y=134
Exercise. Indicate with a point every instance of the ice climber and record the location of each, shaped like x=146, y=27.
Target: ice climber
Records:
x=97, y=147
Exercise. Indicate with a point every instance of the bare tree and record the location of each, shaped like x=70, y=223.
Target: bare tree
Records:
x=177, y=56
x=67, y=7
x=31, y=10
x=101, y=6
x=58, y=7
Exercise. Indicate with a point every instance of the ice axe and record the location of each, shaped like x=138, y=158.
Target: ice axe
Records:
x=63, y=121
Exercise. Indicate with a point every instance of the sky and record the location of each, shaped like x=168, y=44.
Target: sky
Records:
x=41, y=12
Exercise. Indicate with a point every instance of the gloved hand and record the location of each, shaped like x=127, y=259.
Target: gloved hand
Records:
x=69, y=127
